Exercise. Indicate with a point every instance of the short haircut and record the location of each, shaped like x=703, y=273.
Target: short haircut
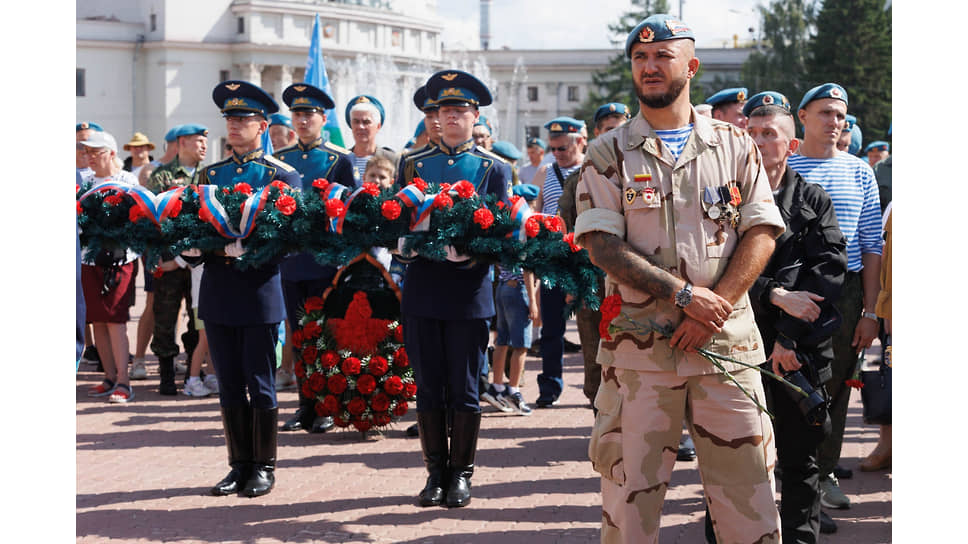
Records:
x=773, y=110
x=603, y=118
x=368, y=107
x=377, y=161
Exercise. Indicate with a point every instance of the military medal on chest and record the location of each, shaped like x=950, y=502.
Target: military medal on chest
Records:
x=650, y=195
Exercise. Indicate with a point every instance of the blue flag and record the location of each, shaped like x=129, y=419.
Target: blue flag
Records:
x=267, y=143
x=316, y=76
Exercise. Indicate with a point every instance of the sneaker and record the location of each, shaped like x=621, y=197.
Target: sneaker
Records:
x=495, y=399
x=211, y=383
x=102, y=389
x=516, y=402
x=830, y=494
x=122, y=394
x=138, y=370
x=181, y=368
x=195, y=388
x=285, y=380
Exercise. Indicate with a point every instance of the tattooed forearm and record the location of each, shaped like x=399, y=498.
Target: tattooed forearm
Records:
x=627, y=266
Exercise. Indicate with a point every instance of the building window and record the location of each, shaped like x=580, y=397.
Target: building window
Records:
x=573, y=93
x=533, y=132
x=223, y=75
x=81, y=91
x=241, y=25
x=532, y=94
x=153, y=22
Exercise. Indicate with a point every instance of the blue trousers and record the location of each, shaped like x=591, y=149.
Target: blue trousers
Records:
x=245, y=361
x=552, y=342
x=447, y=357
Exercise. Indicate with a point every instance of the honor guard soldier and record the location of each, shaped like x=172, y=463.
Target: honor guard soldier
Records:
x=446, y=305
x=281, y=133
x=302, y=276
x=728, y=105
x=430, y=123
x=242, y=309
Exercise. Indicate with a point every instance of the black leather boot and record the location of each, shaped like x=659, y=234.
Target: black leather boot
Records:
x=166, y=367
x=463, y=446
x=433, y=442
x=264, y=432
x=237, y=422
x=302, y=418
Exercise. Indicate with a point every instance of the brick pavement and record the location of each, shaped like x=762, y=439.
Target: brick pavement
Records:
x=144, y=469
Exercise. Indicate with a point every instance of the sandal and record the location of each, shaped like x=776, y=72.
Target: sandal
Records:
x=102, y=389
x=122, y=393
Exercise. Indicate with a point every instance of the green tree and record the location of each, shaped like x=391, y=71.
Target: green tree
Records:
x=853, y=48
x=613, y=83
x=781, y=58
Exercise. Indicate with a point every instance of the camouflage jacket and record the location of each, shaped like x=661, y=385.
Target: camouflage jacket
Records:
x=169, y=175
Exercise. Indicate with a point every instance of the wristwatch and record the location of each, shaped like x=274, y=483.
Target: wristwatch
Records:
x=869, y=315
x=684, y=296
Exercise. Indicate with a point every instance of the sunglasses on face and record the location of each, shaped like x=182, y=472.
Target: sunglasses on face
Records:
x=558, y=149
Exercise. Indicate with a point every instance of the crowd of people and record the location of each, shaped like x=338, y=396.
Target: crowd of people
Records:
x=725, y=239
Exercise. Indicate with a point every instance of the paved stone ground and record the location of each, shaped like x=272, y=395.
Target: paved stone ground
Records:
x=144, y=469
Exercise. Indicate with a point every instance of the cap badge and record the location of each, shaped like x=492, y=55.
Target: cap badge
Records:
x=740, y=96
x=362, y=100
x=300, y=88
x=676, y=27
x=611, y=107
x=556, y=127
x=448, y=77
x=301, y=100
x=835, y=93
x=232, y=86
x=84, y=126
x=767, y=100
x=451, y=91
x=235, y=102
x=646, y=35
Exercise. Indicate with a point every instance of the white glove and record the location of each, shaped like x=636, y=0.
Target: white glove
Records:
x=234, y=249
x=192, y=252
x=453, y=256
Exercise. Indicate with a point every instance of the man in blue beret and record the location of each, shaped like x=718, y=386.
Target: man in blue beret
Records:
x=302, y=277
x=281, y=133
x=536, y=149
x=851, y=185
x=876, y=152
x=446, y=305
x=171, y=151
x=566, y=138
x=365, y=116
x=482, y=133
x=843, y=144
x=676, y=209
x=728, y=105
x=242, y=309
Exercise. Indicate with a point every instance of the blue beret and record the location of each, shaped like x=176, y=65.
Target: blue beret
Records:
x=765, y=98
x=879, y=145
x=506, y=149
x=242, y=99
x=190, y=129
x=849, y=122
x=657, y=28
x=457, y=87
x=726, y=96
x=303, y=96
x=421, y=128
x=856, y=140
x=610, y=109
x=172, y=133
x=410, y=143
x=422, y=101
x=564, y=125
x=483, y=122
x=827, y=90
x=280, y=119
x=84, y=125
x=538, y=142
x=364, y=99
x=526, y=190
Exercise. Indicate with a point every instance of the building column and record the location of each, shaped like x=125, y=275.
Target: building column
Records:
x=252, y=73
x=285, y=80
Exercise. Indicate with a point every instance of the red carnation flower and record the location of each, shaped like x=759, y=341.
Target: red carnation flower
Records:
x=314, y=304
x=226, y=190
x=335, y=207
x=279, y=184
x=381, y=419
x=465, y=189
x=410, y=390
x=243, y=188
x=306, y=390
x=297, y=337
x=553, y=223
x=309, y=354
x=855, y=384
x=329, y=359
x=286, y=204
x=340, y=422
x=312, y=330
x=570, y=240
x=380, y=402
x=336, y=384
x=501, y=205
x=362, y=425
x=135, y=213
x=176, y=208
x=317, y=382
x=400, y=410
x=299, y=369
x=393, y=385
x=330, y=405
x=371, y=188
x=356, y=406
x=77, y=188
x=532, y=226
x=319, y=409
x=79, y=209
x=320, y=183
x=610, y=308
x=366, y=384
x=377, y=366
x=443, y=200
x=398, y=333
x=113, y=199
x=351, y=366
x=400, y=358
x=514, y=199
x=157, y=273
x=444, y=187
x=421, y=184
x=390, y=209
x=484, y=218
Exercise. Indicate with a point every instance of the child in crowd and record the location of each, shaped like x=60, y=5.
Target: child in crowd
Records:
x=382, y=171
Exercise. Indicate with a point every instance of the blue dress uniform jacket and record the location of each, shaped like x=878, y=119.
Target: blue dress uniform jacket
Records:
x=318, y=159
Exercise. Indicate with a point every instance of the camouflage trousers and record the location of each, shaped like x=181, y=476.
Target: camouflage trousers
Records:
x=636, y=436
x=170, y=289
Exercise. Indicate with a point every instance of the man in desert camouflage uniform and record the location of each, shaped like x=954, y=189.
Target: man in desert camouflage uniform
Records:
x=677, y=209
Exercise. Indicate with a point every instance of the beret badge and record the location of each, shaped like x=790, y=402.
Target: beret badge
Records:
x=646, y=35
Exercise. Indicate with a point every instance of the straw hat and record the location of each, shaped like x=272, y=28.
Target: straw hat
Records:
x=137, y=140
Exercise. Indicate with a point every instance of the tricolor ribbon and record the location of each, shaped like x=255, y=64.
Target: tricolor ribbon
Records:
x=420, y=205
x=335, y=190
x=106, y=186
x=156, y=207
x=462, y=183
x=520, y=212
x=339, y=220
x=219, y=218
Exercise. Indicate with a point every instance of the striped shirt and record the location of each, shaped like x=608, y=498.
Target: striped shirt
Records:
x=552, y=188
x=359, y=167
x=852, y=187
x=675, y=140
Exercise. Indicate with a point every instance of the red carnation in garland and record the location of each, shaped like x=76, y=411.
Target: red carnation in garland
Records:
x=320, y=183
x=443, y=200
x=313, y=304
x=484, y=218
x=390, y=209
x=366, y=384
x=362, y=425
x=553, y=223
x=371, y=188
x=501, y=205
x=329, y=359
x=77, y=188
x=317, y=382
x=176, y=208
x=381, y=419
x=113, y=199
x=393, y=385
x=330, y=405
x=336, y=384
x=444, y=187
x=286, y=204
x=244, y=188
x=514, y=199
x=377, y=366
x=358, y=331
x=398, y=333
x=611, y=307
x=226, y=190
x=340, y=422
x=380, y=402
x=158, y=273
x=306, y=390
x=136, y=213
x=570, y=240
x=335, y=207
x=297, y=337
x=312, y=330
x=299, y=369
x=351, y=366
x=279, y=184
x=309, y=354
x=532, y=226
x=320, y=410
x=356, y=406
x=409, y=390
x=400, y=358
x=79, y=209
x=400, y=410
x=421, y=184
x=465, y=189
